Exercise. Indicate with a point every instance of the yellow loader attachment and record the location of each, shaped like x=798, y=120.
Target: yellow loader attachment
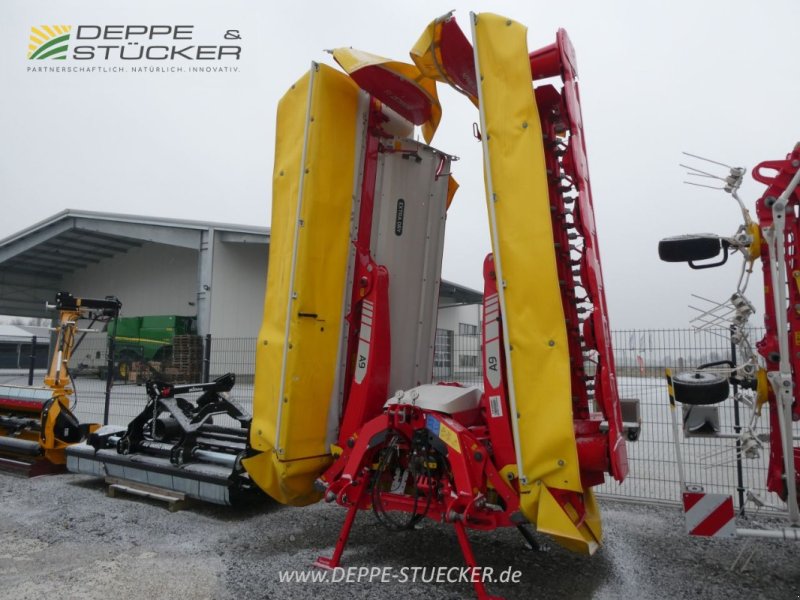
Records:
x=36, y=423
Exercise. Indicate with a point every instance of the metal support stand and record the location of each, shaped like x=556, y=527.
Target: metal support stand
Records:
x=331, y=563
x=737, y=428
x=469, y=557
x=675, y=433
x=534, y=545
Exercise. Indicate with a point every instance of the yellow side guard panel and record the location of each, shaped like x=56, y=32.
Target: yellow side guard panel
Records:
x=452, y=188
x=563, y=525
x=535, y=332
x=296, y=358
x=399, y=85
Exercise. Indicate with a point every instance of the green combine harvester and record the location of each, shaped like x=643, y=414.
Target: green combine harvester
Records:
x=155, y=345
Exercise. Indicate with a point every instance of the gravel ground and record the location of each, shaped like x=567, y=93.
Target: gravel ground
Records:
x=62, y=535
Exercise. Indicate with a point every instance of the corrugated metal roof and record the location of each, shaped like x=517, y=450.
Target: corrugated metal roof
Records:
x=14, y=331
x=451, y=294
x=137, y=219
x=74, y=239
x=32, y=261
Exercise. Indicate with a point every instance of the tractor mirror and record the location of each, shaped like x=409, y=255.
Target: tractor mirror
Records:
x=692, y=248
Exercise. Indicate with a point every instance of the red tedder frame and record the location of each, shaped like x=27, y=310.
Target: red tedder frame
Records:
x=768, y=346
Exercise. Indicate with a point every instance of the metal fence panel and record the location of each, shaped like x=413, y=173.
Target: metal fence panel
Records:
x=710, y=460
x=641, y=357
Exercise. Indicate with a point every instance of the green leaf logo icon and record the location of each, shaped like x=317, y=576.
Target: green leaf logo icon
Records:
x=48, y=41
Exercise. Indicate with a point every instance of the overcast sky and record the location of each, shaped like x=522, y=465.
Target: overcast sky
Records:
x=714, y=78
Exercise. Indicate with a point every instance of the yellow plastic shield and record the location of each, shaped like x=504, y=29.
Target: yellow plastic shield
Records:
x=302, y=326
x=535, y=332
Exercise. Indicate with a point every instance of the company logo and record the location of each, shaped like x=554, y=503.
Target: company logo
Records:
x=129, y=42
x=399, y=216
x=49, y=41
x=133, y=49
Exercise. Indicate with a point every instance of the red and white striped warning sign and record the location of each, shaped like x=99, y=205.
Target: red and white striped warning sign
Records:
x=709, y=515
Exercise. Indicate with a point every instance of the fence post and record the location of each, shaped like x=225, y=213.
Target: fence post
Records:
x=32, y=364
x=207, y=358
x=109, y=372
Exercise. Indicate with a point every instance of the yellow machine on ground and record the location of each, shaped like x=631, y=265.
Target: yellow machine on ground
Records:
x=36, y=423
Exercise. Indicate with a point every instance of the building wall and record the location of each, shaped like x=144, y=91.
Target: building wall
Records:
x=239, y=280
x=153, y=279
x=157, y=279
x=451, y=316
x=457, y=354
x=16, y=353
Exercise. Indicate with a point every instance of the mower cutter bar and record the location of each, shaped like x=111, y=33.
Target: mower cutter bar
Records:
x=19, y=446
x=173, y=445
x=23, y=399
x=200, y=480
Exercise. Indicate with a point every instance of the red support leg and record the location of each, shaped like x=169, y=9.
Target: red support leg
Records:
x=469, y=558
x=330, y=563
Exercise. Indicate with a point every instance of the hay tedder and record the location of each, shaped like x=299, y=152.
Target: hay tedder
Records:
x=344, y=405
x=765, y=373
x=36, y=423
